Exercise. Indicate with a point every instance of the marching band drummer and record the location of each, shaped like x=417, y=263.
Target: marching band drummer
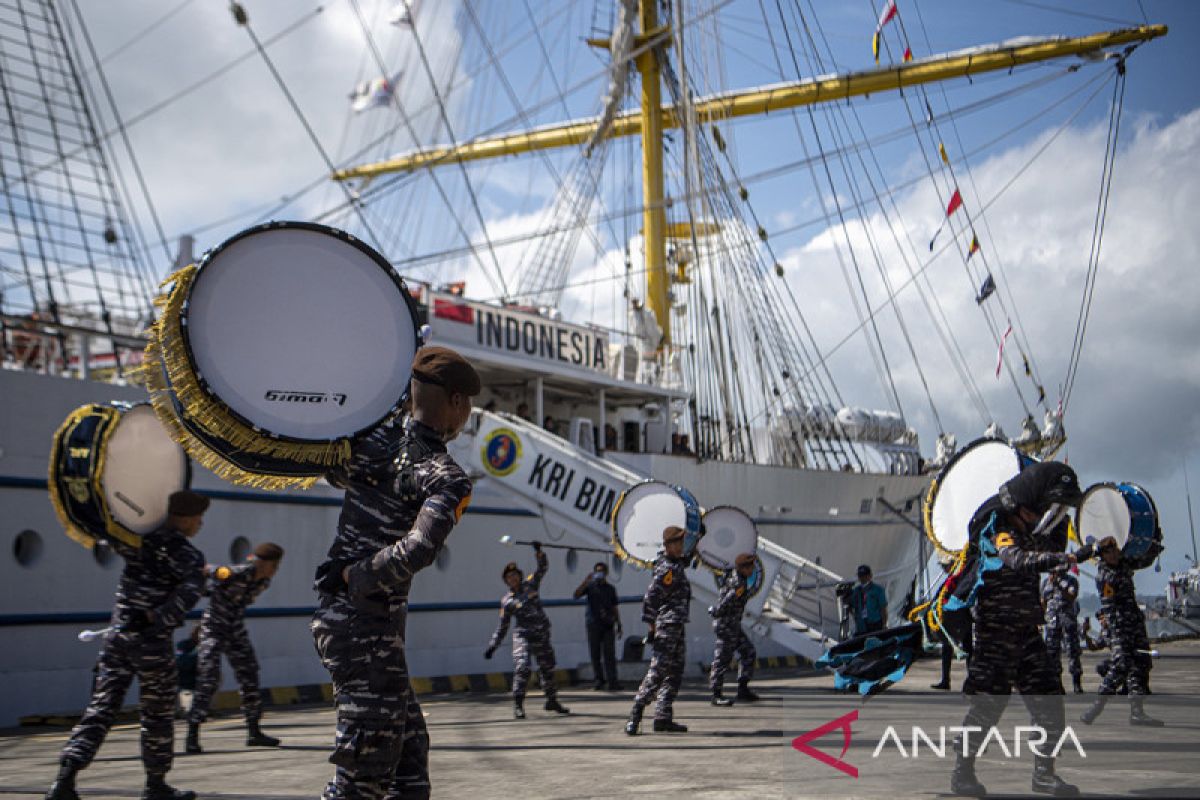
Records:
x=404, y=495
x=727, y=629
x=161, y=582
x=1005, y=592
x=1131, y=662
x=531, y=633
x=665, y=608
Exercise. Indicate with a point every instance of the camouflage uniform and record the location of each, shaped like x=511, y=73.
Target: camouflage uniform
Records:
x=531, y=633
x=1062, y=620
x=727, y=627
x=223, y=629
x=666, y=607
x=404, y=494
x=164, y=576
x=1008, y=649
x=1126, y=625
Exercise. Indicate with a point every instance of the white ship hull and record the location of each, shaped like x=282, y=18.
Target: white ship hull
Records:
x=824, y=516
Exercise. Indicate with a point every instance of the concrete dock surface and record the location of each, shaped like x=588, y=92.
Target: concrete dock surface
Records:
x=480, y=751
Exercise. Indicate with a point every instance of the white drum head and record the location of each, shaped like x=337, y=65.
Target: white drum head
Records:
x=142, y=467
x=962, y=487
x=301, y=333
x=1104, y=512
x=729, y=532
x=644, y=512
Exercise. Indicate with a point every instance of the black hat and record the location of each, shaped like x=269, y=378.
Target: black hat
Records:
x=1040, y=486
x=510, y=567
x=186, y=503
x=443, y=367
x=268, y=551
x=864, y=569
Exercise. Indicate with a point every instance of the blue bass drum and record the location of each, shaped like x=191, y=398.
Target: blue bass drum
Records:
x=1124, y=511
x=641, y=514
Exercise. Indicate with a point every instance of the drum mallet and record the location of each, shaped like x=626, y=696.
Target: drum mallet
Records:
x=91, y=636
x=510, y=541
x=1151, y=653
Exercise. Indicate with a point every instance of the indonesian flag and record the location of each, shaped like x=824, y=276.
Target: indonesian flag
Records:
x=370, y=94
x=887, y=15
x=455, y=312
x=954, y=205
x=1000, y=355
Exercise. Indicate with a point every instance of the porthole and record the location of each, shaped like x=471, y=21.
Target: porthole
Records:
x=27, y=548
x=572, y=560
x=617, y=566
x=443, y=559
x=103, y=553
x=239, y=549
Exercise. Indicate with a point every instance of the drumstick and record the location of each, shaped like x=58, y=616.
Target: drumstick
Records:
x=508, y=540
x=91, y=636
x=1151, y=653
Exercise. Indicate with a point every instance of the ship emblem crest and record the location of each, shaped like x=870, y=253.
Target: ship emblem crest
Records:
x=501, y=452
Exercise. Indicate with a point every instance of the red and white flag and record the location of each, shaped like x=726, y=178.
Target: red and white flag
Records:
x=887, y=15
x=1000, y=355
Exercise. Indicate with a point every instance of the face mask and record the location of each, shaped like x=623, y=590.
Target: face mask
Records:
x=598, y=575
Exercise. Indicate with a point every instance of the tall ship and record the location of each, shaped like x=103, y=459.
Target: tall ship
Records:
x=591, y=201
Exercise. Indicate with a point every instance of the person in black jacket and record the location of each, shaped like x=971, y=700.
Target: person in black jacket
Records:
x=603, y=625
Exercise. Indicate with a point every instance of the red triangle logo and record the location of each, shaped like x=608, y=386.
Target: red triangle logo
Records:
x=843, y=723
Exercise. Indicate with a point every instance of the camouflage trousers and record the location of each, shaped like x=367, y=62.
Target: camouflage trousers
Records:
x=1063, y=628
x=665, y=675
x=1005, y=656
x=1126, y=636
x=235, y=644
x=525, y=648
x=731, y=641
x=381, y=747
x=124, y=656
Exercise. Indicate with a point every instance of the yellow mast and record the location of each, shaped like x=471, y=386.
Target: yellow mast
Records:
x=654, y=216
x=651, y=118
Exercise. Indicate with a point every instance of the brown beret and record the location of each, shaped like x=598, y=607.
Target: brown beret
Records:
x=672, y=533
x=744, y=560
x=186, y=503
x=443, y=367
x=268, y=551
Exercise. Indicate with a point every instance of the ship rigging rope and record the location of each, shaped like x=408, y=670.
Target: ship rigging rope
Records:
x=1106, y=176
x=243, y=20
x=143, y=33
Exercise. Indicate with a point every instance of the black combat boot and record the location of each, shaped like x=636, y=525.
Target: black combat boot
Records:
x=635, y=719
x=744, y=691
x=1137, y=716
x=943, y=685
x=668, y=726
x=192, y=745
x=158, y=789
x=963, y=781
x=255, y=736
x=719, y=698
x=553, y=705
x=1078, y=679
x=1089, y=716
x=63, y=787
x=518, y=708
x=1046, y=782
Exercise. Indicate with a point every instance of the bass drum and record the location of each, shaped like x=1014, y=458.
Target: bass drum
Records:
x=728, y=532
x=279, y=348
x=1124, y=511
x=112, y=468
x=644, y=511
x=971, y=477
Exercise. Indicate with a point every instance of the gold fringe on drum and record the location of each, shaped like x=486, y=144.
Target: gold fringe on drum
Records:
x=169, y=379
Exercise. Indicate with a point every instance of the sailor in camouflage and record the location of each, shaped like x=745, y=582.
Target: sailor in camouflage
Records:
x=1131, y=661
x=531, y=633
x=1016, y=534
x=161, y=582
x=404, y=495
x=223, y=630
x=665, y=609
x=731, y=638
x=1059, y=596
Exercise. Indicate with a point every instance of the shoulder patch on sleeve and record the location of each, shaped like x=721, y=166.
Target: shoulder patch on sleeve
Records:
x=741, y=590
x=1004, y=539
x=462, y=506
x=223, y=573
x=668, y=578
x=1108, y=590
